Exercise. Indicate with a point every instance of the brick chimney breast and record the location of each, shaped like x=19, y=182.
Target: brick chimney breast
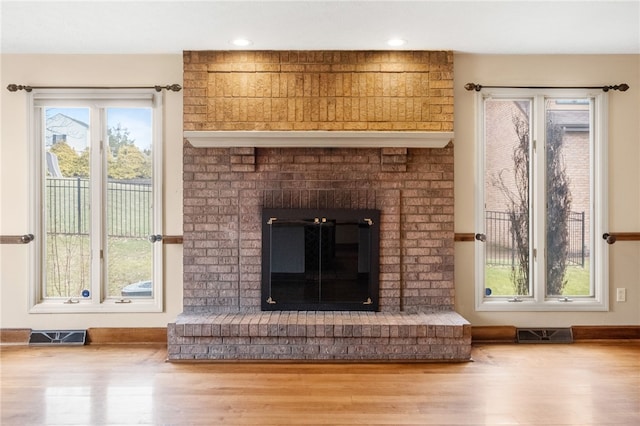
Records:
x=226, y=188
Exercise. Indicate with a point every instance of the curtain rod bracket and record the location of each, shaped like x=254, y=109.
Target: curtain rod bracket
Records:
x=158, y=88
x=623, y=87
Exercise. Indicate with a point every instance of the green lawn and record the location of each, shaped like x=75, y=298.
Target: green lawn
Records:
x=498, y=279
x=129, y=261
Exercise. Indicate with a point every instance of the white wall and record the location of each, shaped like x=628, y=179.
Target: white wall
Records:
x=624, y=182
x=81, y=70
x=624, y=173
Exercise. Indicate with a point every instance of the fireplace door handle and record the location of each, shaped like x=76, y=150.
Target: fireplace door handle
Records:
x=155, y=238
x=481, y=237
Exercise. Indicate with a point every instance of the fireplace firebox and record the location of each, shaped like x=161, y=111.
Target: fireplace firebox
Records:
x=320, y=260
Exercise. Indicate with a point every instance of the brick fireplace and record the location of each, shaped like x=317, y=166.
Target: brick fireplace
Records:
x=227, y=184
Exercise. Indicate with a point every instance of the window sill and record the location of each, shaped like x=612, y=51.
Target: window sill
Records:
x=554, y=305
x=87, y=306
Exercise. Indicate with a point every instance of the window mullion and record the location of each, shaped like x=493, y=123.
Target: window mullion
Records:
x=104, y=155
x=95, y=184
x=538, y=201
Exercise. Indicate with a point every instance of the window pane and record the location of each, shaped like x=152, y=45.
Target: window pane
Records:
x=129, y=206
x=66, y=202
x=506, y=188
x=568, y=160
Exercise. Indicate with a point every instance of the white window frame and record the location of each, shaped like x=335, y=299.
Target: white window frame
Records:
x=101, y=99
x=599, y=208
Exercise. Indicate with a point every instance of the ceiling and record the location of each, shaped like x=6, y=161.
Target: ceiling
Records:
x=484, y=27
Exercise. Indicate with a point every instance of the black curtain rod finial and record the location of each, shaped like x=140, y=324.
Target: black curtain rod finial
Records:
x=473, y=86
x=16, y=87
x=621, y=87
x=172, y=87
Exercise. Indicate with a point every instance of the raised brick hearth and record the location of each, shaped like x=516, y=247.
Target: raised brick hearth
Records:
x=225, y=190
x=321, y=336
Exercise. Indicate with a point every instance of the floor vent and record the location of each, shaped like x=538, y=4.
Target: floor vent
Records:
x=57, y=337
x=544, y=335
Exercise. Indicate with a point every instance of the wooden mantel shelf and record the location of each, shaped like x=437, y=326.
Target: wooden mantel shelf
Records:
x=317, y=139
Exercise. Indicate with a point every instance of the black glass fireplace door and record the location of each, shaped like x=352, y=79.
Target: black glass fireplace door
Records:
x=320, y=260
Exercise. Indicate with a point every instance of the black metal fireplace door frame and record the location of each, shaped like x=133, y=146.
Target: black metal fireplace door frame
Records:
x=323, y=220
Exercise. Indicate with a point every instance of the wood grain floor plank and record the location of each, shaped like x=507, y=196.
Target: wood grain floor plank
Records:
x=544, y=384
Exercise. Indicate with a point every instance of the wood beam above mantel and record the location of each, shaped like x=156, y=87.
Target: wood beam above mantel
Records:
x=317, y=139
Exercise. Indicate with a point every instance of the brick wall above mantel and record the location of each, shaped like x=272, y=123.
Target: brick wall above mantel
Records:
x=318, y=90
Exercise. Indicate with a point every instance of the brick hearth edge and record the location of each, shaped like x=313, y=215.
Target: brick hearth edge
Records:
x=301, y=335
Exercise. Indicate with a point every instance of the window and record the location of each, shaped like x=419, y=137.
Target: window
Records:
x=97, y=192
x=542, y=201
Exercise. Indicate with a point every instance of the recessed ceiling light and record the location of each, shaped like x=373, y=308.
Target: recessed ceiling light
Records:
x=241, y=42
x=395, y=42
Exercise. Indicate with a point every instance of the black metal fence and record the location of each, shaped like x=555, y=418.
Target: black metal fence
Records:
x=501, y=247
x=128, y=207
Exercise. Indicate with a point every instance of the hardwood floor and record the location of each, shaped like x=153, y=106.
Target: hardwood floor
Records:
x=535, y=384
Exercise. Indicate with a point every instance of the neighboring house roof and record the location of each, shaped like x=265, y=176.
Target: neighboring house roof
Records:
x=571, y=120
x=61, y=115
x=75, y=132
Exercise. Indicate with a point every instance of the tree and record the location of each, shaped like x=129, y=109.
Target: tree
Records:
x=518, y=209
x=83, y=162
x=118, y=137
x=124, y=159
x=558, y=210
x=67, y=158
x=130, y=163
